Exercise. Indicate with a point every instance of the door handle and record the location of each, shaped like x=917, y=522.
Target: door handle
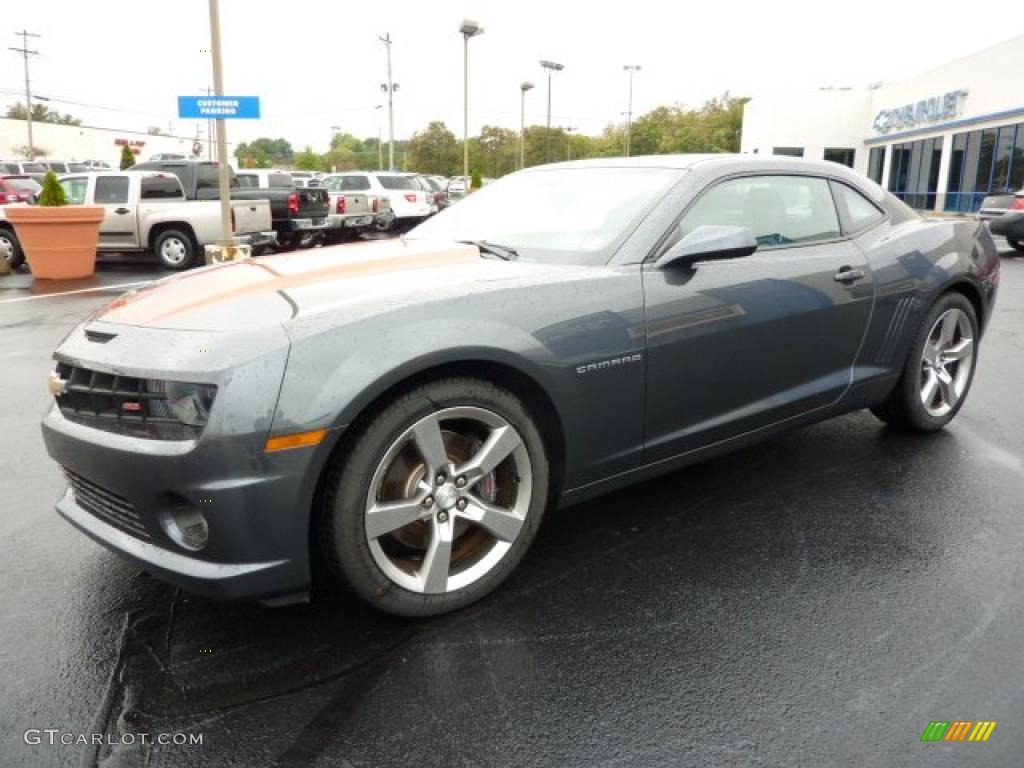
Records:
x=121, y=211
x=848, y=275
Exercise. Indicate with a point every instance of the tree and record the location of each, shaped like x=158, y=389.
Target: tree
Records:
x=52, y=193
x=434, y=150
x=127, y=157
x=308, y=160
x=264, y=152
x=497, y=151
x=475, y=181
x=41, y=114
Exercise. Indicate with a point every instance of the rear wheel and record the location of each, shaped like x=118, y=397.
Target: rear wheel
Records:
x=1017, y=245
x=939, y=368
x=10, y=248
x=175, y=249
x=438, y=499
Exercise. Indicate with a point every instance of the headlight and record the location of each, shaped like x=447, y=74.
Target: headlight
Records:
x=189, y=403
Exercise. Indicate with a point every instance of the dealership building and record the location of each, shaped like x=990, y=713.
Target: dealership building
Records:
x=941, y=141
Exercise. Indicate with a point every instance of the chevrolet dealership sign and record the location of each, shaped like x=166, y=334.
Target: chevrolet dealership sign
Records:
x=924, y=112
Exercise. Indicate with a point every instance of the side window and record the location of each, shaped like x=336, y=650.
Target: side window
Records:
x=75, y=189
x=779, y=210
x=161, y=188
x=248, y=180
x=858, y=212
x=354, y=183
x=111, y=190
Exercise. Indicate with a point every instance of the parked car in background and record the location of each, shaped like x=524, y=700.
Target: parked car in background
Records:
x=304, y=179
x=168, y=156
x=297, y=213
x=18, y=189
x=409, y=203
x=440, y=186
x=457, y=186
x=250, y=178
x=429, y=191
x=351, y=211
x=1005, y=216
x=398, y=422
x=96, y=165
x=147, y=211
x=34, y=168
x=10, y=246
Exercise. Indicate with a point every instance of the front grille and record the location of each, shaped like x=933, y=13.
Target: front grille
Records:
x=106, y=505
x=121, y=404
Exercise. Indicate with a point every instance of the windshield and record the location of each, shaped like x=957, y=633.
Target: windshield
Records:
x=572, y=215
x=396, y=182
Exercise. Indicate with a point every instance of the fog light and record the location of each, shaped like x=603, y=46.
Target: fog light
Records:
x=183, y=523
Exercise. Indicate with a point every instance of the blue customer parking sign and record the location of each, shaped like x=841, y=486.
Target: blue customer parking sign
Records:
x=219, y=107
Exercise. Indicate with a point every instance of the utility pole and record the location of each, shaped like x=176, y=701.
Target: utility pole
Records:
x=380, y=144
x=25, y=53
x=631, y=69
x=227, y=236
x=390, y=87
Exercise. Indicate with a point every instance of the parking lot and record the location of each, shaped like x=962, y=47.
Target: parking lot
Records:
x=814, y=600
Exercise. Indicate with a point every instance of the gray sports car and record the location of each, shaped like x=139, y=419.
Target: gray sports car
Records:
x=398, y=415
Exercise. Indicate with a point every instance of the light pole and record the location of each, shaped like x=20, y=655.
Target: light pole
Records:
x=630, y=68
x=568, y=142
x=524, y=86
x=467, y=30
x=551, y=68
x=389, y=88
x=380, y=145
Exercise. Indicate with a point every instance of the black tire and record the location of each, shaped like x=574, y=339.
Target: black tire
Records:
x=340, y=531
x=308, y=240
x=904, y=409
x=1017, y=245
x=286, y=242
x=10, y=248
x=175, y=249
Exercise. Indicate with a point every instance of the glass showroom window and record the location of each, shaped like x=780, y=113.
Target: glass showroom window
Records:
x=876, y=162
x=841, y=156
x=914, y=173
x=985, y=162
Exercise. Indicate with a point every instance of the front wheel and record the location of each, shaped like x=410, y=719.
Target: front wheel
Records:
x=438, y=499
x=938, y=371
x=1017, y=245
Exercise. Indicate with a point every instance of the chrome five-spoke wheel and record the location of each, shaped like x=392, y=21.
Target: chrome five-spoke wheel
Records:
x=946, y=362
x=448, y=499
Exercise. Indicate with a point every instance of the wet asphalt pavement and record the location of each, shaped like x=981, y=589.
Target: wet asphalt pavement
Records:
x=813, y=601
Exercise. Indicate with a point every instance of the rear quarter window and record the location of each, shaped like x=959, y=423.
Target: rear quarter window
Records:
x=161, y=188
x=396, y=182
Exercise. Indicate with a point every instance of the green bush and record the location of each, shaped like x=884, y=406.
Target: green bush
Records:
x=127, y=157
x=476, y=182
x=52, y=193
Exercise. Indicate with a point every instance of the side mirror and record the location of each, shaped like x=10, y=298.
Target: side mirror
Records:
x=709, y=242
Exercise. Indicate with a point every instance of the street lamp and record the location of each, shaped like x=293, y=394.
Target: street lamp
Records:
x=380, y=145
x=568, y=142
x=551, y=67
x=467, y=30
x=524, y=86
x=630, y=68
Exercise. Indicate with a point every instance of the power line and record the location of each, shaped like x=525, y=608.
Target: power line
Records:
x=25, y=53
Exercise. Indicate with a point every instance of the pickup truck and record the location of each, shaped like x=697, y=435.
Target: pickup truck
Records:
x=296, y=213
x=351, y=212
x=148, y=212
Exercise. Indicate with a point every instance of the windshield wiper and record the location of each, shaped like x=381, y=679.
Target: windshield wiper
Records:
x=503, y=252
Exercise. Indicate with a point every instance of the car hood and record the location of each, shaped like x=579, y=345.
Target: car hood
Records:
x=361, y=278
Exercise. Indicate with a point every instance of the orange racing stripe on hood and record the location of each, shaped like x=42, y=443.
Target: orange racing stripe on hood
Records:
x=198, y=290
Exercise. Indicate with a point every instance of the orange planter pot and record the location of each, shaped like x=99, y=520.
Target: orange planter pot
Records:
x=59, y=242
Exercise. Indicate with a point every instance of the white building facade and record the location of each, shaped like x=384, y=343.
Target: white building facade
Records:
x=941, y=141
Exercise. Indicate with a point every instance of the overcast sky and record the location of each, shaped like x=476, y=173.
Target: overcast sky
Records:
x=318, y=63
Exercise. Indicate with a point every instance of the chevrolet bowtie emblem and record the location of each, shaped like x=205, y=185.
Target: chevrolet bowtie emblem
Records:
x=58, y=386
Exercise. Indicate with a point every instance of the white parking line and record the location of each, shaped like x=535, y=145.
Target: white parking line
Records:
x=80, y=290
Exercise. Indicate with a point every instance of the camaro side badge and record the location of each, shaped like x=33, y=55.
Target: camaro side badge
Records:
x=58, y=386
x=615, y=362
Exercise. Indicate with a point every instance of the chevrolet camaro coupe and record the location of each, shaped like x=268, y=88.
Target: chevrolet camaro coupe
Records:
x=395, y=417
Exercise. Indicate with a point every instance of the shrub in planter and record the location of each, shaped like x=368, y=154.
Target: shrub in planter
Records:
x=127, y=157
x=59, y=240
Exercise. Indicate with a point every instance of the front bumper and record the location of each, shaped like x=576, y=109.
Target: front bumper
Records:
x=1009, y=225
x=256, y=504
